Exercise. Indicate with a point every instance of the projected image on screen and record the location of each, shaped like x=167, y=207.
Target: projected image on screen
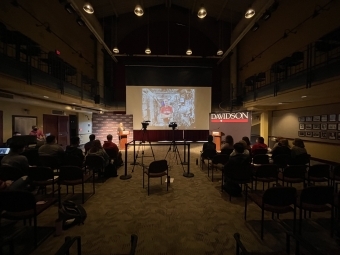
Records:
x=162, y=106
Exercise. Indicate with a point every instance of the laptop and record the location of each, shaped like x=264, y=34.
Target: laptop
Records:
x=4, y=151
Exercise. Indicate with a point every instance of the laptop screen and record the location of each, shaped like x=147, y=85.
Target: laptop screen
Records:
x=4, y=151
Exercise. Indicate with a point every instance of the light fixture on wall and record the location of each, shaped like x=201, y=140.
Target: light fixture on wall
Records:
x=115, y=48
x=189, y=51
x=219, y=51
x=250, y=12
x=88, y=8
x=139, y=10
x=202, y=12
x=148, y=50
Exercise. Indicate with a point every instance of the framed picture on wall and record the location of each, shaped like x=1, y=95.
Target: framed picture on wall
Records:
x=338, y=126
x=324, y=126
x=339, y=117
x=309, y=118
x=309, y=134
x=338, y=135
x=324, y=117
x=303, y=119
x=316, y=126
x=332, y=135
x=332, y=117
x=316, y=134
x=301, y=133
x=302, y=126
x=308, y=126
x=332, y=126
x=316, y=118
x=324, y=135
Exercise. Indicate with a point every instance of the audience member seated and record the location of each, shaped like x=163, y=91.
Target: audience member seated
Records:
x=9, y=140
x=259, y=145
x=246, y=139
x=74, y=150
x=14, y=159
x=20, y=184
x=281, y=148
x=111, y=145
x=51, y=148
x=235, y=163
x=246, y=151
x=229, y=143
x=97, y=149
x=208, y=148
x=88, y=145
x=298, y=148
x=277, y=140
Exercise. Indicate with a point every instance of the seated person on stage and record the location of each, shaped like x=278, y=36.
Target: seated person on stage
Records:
x=97, y=149
x=229, y=143
x=38, y=133
x=51, y=148
x=259, y=145
x=88, y=145
x=74, y=150
x=110, y=145
x=208, y=146
x=298, y=148
x=281, y=148
x=235, y=163
x=245, y=152
x=9, y=140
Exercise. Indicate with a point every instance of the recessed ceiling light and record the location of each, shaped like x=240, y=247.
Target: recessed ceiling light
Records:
x=46, y=97
x=280, y=103
x=88, y=8
x=73, y=103
x=303, y=96
x=249, y=13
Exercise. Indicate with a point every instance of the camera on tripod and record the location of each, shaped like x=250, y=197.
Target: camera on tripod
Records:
x=145, y=123
x=173, y=125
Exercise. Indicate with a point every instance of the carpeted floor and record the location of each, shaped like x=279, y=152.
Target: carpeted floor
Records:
x=193, y=217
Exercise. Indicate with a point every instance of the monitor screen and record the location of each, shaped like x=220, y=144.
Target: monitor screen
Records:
x=4, y=151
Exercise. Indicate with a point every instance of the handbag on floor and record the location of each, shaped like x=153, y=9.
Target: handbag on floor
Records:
x=71, y=214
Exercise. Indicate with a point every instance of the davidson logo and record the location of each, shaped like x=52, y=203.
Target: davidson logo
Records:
x=229, y=117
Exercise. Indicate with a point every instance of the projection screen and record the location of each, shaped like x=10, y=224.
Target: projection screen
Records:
x=189, y=107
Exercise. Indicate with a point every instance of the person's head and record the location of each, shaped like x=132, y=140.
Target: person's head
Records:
x=244, y=144
x=210, y=138
x=246, y=139
x=260, y=139
x=284, y=142
x=35, y=128
x=277, y=139
x=109, y=137
x=92, y=137
x=50, y=139
x=121, y=124
x=239, y=148
x=229, y=140
x=299, y=143
x=75, y=141
x=96, y=146
x=16, y=133
x=17, y=147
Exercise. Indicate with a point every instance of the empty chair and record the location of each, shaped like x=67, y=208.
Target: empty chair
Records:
x=157, y=169
x=293, y=174
x=266, y=173
x=319, y=173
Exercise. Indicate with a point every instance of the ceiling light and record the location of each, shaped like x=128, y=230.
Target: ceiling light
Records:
x=249, y=13
x=280, y=103
x=115, y=50
x=303, y=96
x=138, y=10
x=88, y=8
x=69, y=8
x=202, y=12
x=189, y=52
x=219, y=52
x=255, y=27
x=46, y=97
x=148, y=51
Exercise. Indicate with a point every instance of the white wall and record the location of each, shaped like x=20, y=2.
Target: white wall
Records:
x=85, y=126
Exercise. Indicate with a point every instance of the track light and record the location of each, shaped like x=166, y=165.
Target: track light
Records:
x=87, y=7
x=266, y=15
x=189, y=52
x=255, y=27
x=147, y=51
x=80, y=22
x=69, y=8
x=249, y=13
x=139, y=10
x=115, y=50
x=202, y=12
x=219, y=52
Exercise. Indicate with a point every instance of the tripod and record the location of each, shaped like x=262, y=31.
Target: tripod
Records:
x=142, y=145
x=173, y=147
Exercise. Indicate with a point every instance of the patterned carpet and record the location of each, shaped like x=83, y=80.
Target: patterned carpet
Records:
x=193, y=217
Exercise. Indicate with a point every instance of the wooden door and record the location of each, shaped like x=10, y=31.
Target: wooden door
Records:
x=63, y=131
x=50, y=124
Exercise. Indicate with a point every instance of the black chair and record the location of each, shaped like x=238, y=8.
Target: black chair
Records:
x=95, y=163
x=316, y=199
x=157, y=169
x=282, y=161
x=259, y=151
x=293, y=174
x=261, y=159
x=319, y=173
x=301, y=159
x=277, y=200
x=50, y=161
x=265, y=173
x=112, y=154
x=72, y=160
x=32, y=156
x=42, y=176
x=218, y=162
x=208, y=155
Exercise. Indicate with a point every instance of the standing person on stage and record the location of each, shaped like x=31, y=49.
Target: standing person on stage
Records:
x=38, y=133
x=120, y=129
x=166, y=111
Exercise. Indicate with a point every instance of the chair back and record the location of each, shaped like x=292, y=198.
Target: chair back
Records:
x=220, y=159
x=112, y=153
x=242, y=172
x=10, y=173
x=295, y=171
x=267, y=171
x=282, y=160
x=32, y=156
x=72, y=160
x=301, y=159
x=227, y=151
x=16, y=201
x=49, y=161
x=261, y=159
x=319, y=171
x=40, y=173
x=280, y=196
x=70, y=173
x=94, y=161
x=259, y=151
x=209, y=153
x=158, y=166
x=317, y=195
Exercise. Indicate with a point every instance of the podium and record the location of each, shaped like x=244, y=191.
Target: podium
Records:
x=123, y=139
x=217, y=139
